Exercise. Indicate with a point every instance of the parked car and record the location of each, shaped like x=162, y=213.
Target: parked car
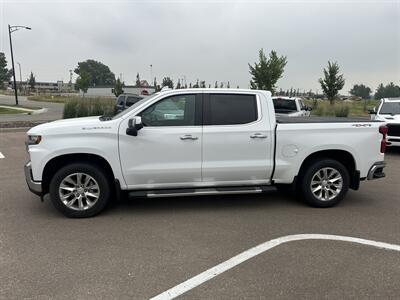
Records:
x=127, y=100
x=200, y=142
x=388, y=111
x=290, y=106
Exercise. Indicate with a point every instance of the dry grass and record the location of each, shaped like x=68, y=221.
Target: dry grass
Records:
x=76, y=107
x=341, y=108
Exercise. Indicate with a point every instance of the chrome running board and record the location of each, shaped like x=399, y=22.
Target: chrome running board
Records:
x=209, y=191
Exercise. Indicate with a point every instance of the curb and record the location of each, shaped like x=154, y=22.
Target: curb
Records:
x=15, y=129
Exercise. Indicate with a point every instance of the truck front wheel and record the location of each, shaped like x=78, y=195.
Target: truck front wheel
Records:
x=324, y=183
x=79, y=190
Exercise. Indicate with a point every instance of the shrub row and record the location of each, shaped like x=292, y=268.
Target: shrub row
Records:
x=84, y=107
x=325, y=109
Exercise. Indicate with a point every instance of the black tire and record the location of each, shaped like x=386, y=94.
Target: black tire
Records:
x=96, y=173
x=307, y=175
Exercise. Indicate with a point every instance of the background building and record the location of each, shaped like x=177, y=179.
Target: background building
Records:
x=108, y=91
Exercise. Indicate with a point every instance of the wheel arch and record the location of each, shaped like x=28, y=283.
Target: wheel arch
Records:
x=53, y=165
x=342, y=156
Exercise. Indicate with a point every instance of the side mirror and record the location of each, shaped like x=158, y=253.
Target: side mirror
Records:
x=308, y=108
x=372, y=111
x=134, y=125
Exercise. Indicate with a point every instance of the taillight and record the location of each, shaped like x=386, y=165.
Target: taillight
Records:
x=384, y=131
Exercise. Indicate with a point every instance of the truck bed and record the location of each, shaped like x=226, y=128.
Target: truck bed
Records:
x=292, y=120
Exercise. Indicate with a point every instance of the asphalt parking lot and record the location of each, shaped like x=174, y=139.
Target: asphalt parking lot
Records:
x=140, y=248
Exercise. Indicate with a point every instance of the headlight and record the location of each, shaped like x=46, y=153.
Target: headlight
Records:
x=34, y=139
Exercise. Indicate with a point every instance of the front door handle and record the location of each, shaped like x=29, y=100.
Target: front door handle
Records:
x=258, y=136
x=188, y=137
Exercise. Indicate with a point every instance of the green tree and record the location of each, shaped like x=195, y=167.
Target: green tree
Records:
x=388, y=91
x=118, y=87
x=83, y=82
x=392, y=90
x=167, y=82
x=216, y=84
x=31, y=81
x=380, y=92
x=332, y=82
x=99, y=73
x=137, y=80
x=178, y=85
x=360, y=90
x=5, y=74
x=267, y=71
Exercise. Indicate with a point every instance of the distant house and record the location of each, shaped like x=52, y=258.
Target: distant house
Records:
x=108, y=90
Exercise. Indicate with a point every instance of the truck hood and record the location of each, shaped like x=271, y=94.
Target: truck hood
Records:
x=76, y=124
x=390, y=119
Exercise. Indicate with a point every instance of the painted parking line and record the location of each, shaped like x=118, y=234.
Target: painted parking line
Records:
x=252, y=252
x=1, y=155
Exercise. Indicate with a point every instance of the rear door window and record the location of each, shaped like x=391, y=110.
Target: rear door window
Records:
x=230, y=109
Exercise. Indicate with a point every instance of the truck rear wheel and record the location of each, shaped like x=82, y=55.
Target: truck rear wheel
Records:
x=325, y=183
x=79, y=190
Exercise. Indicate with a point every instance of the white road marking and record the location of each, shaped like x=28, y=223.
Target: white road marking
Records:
x=1, y=155
x=250, y=253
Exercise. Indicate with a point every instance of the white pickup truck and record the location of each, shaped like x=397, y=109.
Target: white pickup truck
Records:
x=290, y=107
x=388, y=111
x=200, y=142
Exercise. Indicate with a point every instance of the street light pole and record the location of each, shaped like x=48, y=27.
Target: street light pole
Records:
x=11, y=29
x=13, y=68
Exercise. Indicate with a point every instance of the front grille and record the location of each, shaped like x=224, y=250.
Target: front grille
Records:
x=394, y=129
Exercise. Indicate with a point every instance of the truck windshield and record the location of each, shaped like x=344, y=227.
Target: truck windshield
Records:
x=140, y=102
x=390, y=108
x=284, y=104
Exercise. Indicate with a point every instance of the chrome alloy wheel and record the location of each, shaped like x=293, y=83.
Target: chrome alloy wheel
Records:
x=326, y=184
x=79, y=191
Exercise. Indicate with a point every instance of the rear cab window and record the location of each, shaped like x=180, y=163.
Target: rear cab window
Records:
x=230, y=109
x=282, y=105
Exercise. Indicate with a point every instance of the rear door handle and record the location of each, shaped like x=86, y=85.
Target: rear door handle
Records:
x=258, y=135
x=188, y=137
